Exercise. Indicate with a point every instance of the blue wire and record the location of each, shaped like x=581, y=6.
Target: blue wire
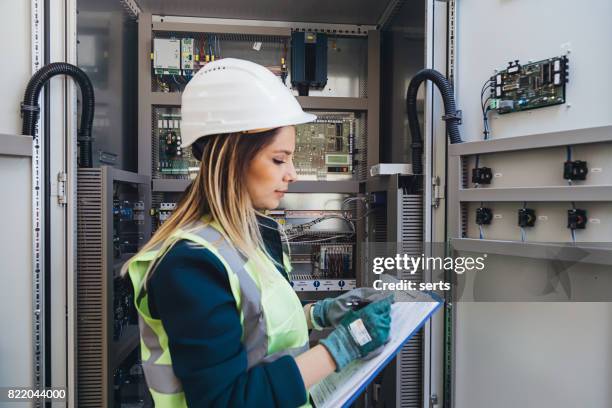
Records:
x=481, y=232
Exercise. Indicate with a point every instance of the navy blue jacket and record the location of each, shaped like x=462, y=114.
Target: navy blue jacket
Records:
x=190, y=292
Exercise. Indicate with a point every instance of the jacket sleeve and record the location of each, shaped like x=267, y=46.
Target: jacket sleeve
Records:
x=190, y=292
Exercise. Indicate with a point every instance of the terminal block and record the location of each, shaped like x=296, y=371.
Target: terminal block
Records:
x=576, y=219
x=482, y=175
x=575, y=170
x=484, y=216
x=526, y=217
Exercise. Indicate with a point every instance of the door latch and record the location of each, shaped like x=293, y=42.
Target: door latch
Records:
x=438, y=192
x=61, y=188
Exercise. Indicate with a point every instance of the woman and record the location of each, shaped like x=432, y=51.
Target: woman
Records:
x=220, y=324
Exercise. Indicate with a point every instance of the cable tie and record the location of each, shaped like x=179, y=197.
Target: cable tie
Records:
x=29, y=108
x=453, y=116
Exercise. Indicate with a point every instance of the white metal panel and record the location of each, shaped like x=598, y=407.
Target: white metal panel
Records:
x=14, y=25
x=532, y=355
x=16, y=273
x=491, y=33
x=535, y=354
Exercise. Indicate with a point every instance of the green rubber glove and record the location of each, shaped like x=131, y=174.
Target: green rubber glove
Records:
x=329, y=312
x=360, y=333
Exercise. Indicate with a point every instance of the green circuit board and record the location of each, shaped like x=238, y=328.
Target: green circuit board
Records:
x=173, y=160
x=325, y=146
x=530, y=86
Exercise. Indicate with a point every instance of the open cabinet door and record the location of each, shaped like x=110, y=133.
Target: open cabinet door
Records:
x=525, y=330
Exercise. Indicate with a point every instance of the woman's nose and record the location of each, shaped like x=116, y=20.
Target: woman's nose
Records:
x=291, y=174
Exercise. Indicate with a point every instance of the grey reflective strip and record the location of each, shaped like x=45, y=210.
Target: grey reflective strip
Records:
x=296, y=351
x=254, y=325
x=160, y=377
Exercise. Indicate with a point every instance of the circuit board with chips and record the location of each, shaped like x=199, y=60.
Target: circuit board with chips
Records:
x=530, y=86
x=324, y=148
x=172, y=160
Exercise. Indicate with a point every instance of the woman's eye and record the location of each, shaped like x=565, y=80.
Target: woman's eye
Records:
x=278, y=161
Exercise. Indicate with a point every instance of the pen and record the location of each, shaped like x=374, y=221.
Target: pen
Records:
x=357, y=304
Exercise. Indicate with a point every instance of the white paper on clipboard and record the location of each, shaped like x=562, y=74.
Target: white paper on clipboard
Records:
x=407, y=317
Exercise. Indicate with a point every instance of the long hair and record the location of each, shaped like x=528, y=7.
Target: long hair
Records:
x=219, y=191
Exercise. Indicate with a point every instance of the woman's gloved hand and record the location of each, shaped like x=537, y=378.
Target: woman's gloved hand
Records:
x=360, y=333
x=329, y=312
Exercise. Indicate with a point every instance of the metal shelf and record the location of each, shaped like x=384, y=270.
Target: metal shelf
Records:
x=553, y=139
x=166, y=98
x=305, y=186
x=15, y=145
x=172, y=26
x=561, y=193
x=324, y=186
x=122, y=348
x=307, y=102
x=592, y=253
x=170, y=185
x=333, y=103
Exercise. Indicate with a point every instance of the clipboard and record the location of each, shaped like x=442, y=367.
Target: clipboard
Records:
x=408, y=316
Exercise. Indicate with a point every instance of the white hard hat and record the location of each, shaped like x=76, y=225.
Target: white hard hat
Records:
x=234, y=95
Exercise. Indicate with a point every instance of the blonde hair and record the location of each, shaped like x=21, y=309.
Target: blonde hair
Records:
x=219, y=191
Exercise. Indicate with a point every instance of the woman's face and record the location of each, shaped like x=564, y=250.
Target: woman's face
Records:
x=271, y=170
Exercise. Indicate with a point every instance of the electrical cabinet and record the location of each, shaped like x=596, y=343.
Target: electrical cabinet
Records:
x=323, y=213
x=531, y=188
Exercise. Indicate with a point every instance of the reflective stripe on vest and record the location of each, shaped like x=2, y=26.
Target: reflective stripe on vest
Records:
x=159, y=374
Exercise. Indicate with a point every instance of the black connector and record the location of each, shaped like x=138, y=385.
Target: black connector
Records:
x=482, y=175
x=526, y=217
x=576, y=219
x=483, y=216
x=575, y=170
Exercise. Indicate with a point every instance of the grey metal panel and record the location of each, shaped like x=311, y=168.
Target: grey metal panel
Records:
x=144, y=94
x=15, y=145
x=592, y=253
x=107, y=52
x=551, y=139
x=340, y=11
x=221, y=29
x=373, y=149
x=573, y=193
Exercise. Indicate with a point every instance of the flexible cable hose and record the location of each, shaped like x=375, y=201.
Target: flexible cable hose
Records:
x=31, y=109
x=450, y=110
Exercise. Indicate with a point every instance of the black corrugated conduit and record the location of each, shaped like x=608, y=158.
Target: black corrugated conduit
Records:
x=31, y=110
x=451, y=115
